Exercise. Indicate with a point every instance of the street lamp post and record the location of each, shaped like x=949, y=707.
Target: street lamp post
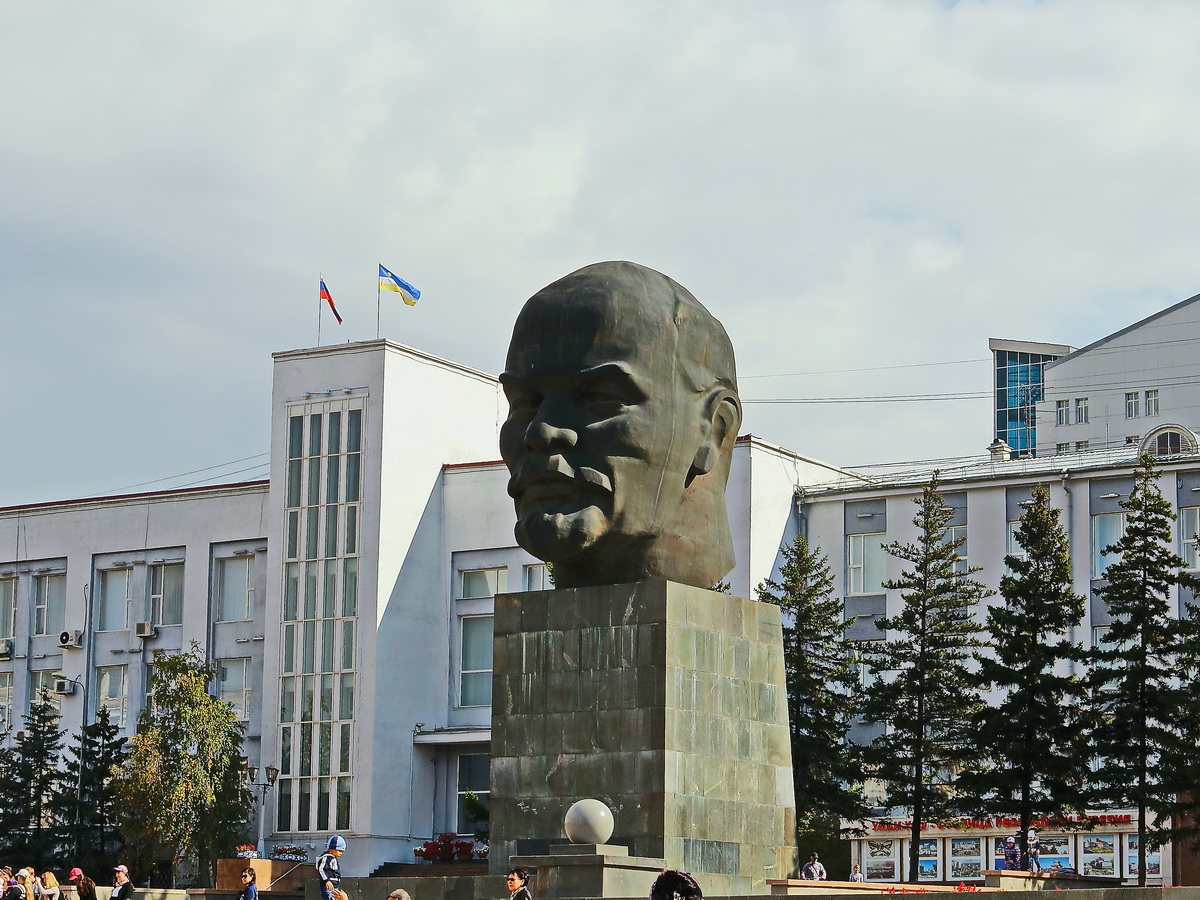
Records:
x=261, y=788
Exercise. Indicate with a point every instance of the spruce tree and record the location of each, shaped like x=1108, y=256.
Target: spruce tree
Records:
x=29, y=787
x=1142, y=740
x=822, y=678
x=925, y=695
x=1030, y=742
x=87, y=801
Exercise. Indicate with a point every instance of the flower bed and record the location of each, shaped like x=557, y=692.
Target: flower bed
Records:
x=445, y=848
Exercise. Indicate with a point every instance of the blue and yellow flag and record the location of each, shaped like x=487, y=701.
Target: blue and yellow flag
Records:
x=390, y=282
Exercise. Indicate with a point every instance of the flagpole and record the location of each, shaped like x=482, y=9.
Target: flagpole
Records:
x=378, y=292
x=320, y=300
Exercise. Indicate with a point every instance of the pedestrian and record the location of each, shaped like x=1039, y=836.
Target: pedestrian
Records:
x=28, y=880
x=672, y=884
x=1012, y=855
x=857, y=874
x=399, y=894
x=329, y=873
x=123, y=890
x=50, y=888
x=249, y=889
x=1035, y=852
x=518, y=881
x=813, y=870
x=13, y=889
x=85, y=888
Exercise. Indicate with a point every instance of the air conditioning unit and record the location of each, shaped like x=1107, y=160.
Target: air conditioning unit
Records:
x=144, y=630
x=6, y=648
x=64, y=686
x=70, y=638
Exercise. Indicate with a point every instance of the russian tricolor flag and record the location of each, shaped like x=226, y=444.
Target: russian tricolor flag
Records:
x=326, y=296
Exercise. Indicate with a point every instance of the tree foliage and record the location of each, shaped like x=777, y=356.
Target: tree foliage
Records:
x=1142, y=741
x=29, y=783
x=181, y=793
x=924, y=694
x=822, y=677
x=1031, y=742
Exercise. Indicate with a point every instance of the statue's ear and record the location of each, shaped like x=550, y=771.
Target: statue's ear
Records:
x=722, y=418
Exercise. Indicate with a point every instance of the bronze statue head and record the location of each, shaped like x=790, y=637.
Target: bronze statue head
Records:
x=623, y=413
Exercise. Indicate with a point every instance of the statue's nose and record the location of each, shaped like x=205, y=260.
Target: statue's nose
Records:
x=544, y=436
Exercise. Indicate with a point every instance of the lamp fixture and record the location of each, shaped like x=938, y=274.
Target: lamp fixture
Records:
x=1111, y=496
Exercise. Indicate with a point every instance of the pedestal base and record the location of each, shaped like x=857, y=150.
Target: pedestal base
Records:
x=664, y=701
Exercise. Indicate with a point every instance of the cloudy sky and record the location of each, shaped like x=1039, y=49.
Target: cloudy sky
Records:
x=859, y=189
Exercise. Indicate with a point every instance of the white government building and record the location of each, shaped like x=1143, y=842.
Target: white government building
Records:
x=348, y=599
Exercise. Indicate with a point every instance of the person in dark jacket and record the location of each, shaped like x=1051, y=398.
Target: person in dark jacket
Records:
x=518, y=881
x=123, y=890
x=329, y=873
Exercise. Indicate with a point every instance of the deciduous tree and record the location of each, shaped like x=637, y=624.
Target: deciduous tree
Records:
x=180, y=792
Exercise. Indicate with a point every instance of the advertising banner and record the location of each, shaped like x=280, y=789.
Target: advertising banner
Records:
x=881, y=861
x=1098, y=854
x=966, y=859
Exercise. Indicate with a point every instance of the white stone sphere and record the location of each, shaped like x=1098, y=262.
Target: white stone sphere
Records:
x=588, y=822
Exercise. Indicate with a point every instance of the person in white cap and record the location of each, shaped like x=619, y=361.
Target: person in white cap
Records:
x=124, y=887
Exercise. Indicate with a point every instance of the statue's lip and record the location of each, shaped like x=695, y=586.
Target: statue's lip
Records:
x=556, y=477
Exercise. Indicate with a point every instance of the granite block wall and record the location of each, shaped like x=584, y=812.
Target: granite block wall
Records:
x=665, y=701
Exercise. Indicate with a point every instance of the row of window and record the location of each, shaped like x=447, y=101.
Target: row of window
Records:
x=127, y=592
x=866, y=560
x=1137, y=403
x=111, y=691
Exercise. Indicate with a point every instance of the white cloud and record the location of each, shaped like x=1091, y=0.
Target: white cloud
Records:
x=847, y=184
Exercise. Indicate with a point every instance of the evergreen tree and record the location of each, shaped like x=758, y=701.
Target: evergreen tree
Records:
x=925, y=695
x=1030, y=744
x=1142, y=740
x=86, y=805
x=29, y=786
x=822, y=678
x=180, y=792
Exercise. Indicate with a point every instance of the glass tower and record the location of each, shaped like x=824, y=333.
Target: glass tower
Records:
x=1019, y=368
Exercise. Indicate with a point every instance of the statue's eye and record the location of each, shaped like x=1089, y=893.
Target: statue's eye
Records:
x=522, y=400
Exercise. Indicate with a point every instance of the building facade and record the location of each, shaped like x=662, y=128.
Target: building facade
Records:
x=850, y=521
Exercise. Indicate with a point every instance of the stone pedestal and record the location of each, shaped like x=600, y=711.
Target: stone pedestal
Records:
x=666, y=702
x=590, y=870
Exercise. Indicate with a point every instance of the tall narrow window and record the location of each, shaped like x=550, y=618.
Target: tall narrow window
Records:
x=537, y=578
x=41, y=685
x=1152, y=403
x=1081, y=410
x=953, y=533
x=6, y=698
x=111, y=692
x=8, y=607
x=318, y=645
x=234, y=685
x=1133, y=404
x=235, y=588
x=865, y=563
x=1107, y=529
x=476, y=676
x=114, y=599
x=49, y=603
x=1062, y=412
x=1189, y=526
x=166, y=594
x=474, y=774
